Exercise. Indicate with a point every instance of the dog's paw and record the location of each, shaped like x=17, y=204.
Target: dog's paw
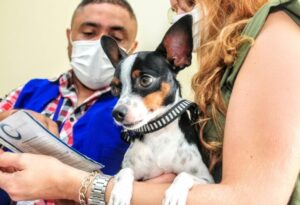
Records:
x=122, y=190
x=175, y=196
x=177, y=193
x=121, y=195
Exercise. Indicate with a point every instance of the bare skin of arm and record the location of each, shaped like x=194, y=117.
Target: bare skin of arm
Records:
x=261, y=143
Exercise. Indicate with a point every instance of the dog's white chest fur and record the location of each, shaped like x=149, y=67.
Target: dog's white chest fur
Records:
x=155, y=154
x=164, y=151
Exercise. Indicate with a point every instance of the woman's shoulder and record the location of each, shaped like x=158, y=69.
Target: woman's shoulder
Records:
x=271, y=68
x=280, y=31
x=277, y=47
x=280, y=19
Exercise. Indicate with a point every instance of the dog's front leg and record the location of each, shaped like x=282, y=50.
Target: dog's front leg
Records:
x=178, y=191
x=122, y=190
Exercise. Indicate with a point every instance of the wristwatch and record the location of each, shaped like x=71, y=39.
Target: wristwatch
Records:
x=97, y=195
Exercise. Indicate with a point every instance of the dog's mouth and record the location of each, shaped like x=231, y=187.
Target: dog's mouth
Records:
x=132, y=125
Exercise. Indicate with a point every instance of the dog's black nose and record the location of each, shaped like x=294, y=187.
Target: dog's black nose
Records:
x=119, y=113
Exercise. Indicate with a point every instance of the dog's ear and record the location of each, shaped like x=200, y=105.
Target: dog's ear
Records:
x=112, y=50
x=177, y=44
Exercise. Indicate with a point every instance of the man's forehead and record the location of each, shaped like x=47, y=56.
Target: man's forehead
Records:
x=102, y=13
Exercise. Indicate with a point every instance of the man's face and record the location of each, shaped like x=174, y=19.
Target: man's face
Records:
x=95, y=20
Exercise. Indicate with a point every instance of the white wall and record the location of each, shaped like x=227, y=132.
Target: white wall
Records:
x=33, y=41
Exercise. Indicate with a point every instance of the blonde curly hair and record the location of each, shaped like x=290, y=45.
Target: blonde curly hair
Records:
x=221, y=29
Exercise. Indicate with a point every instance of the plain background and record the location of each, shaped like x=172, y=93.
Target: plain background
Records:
x=33, y=41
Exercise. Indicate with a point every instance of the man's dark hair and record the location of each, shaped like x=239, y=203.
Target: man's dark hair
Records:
x=123, y=3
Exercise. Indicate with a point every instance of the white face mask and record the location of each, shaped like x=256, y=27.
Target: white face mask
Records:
x=196, y=20
x=91, y=65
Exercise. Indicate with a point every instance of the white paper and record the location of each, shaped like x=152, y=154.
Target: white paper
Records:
x=20, y=132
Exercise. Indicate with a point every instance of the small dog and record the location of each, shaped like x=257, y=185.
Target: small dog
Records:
x=155, y=117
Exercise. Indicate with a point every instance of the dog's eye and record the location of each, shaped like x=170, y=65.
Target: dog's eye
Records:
x=145, y=80
x=115, y=91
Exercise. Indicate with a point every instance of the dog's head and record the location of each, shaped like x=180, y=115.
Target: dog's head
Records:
x=146, y=81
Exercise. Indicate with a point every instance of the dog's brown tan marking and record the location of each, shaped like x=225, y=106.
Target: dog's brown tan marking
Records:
x=115, y=81
x=155, y=100
x=136, y=73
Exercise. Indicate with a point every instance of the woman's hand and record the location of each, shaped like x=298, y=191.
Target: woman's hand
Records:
x=29, y=177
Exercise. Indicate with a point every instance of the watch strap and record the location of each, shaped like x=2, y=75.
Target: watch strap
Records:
x=97, y=195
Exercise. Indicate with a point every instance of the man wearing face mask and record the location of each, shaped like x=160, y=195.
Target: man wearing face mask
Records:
x=77, y=106
x=75, y=98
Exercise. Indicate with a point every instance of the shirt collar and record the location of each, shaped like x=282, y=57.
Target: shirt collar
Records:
x=68, y=89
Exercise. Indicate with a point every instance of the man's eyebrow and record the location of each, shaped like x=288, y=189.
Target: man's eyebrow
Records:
x=114, y=28
x=92, y=24
x=117, y=28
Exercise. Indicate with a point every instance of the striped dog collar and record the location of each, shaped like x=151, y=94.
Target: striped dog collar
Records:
x=172, y=114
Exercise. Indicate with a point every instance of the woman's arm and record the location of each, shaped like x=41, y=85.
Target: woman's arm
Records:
x=262, y=135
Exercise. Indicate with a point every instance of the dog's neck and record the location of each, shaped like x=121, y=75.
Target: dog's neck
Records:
x=165, y=121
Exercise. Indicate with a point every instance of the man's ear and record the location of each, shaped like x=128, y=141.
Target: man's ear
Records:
x=69, y=48
x=177, y=44
x=112, y=50
x=68, y=33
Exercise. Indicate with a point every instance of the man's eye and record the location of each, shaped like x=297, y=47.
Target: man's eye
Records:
x=118, y=39
x=88, y=33
x=145, y=81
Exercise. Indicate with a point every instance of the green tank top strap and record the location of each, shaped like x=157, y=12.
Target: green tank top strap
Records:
x=292, y=8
